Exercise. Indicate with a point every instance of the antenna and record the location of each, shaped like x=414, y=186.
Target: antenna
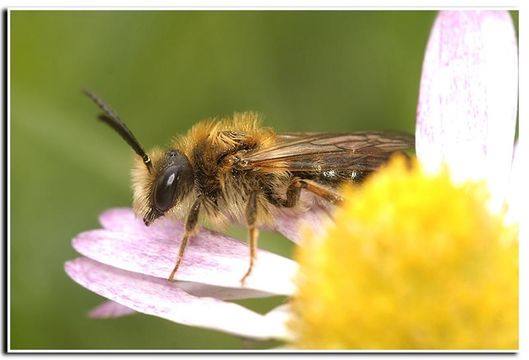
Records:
x=112, y=119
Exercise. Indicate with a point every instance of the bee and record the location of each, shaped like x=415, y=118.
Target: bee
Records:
x=236, y=170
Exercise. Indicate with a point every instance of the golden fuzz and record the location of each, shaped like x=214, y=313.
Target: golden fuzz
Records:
x=248, y=123
x=412, y=262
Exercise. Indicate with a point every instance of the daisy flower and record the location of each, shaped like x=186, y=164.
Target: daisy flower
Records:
x=415, y=260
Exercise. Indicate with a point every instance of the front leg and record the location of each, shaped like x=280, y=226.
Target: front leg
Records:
x=191, y=224
x=253, y=231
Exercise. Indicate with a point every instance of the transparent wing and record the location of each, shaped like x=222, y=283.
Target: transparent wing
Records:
x=316, y=152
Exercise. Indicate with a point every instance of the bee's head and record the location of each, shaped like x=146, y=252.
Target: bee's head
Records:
x=158, y=191
x=160, y=181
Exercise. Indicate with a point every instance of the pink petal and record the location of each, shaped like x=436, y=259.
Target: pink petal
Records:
x=217, y=292
x=468, y=97
x=160, y=298
x=210, y=258
x=124, y=220
x=110, y=309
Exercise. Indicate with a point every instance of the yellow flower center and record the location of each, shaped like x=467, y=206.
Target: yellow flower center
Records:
x=411, y=262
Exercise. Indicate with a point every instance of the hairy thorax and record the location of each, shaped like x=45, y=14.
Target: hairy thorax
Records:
x=215, y=149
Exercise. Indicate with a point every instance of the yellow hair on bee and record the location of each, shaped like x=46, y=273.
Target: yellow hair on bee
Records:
x=143, y=182
x=217, y=132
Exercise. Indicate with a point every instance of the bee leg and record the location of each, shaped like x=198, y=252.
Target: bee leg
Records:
x=292, y=195
x=253, y=231
x=191, y=223
x=322, y=191
x=294, y=192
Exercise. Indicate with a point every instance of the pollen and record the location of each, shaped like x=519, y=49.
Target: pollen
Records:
x=412, y=261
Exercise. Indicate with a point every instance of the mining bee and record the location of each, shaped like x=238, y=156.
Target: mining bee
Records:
x=235, y=170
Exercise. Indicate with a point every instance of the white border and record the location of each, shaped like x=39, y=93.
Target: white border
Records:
x=282, y=5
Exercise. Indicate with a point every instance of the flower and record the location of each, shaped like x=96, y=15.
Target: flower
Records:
x=416, y=259
x=465, y=119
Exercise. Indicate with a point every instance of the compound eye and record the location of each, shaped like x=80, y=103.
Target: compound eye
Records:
x=166, y=186
x=173, y=183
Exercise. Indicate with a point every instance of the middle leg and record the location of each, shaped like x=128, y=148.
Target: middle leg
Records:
x=253, y=232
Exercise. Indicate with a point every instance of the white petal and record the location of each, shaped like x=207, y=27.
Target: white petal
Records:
x=281, y=316
x=157, y=297
x=468, y=97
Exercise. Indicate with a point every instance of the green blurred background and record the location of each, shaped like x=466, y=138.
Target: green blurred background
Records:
x=162, y=72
